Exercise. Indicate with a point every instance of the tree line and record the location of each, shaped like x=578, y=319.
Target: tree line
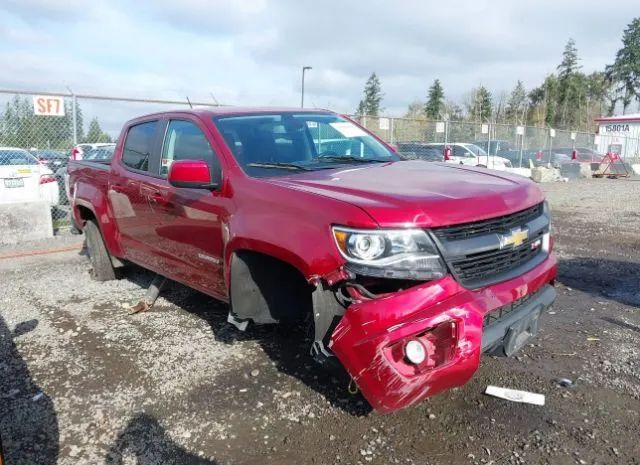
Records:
x=566, y=99
x=20, y=127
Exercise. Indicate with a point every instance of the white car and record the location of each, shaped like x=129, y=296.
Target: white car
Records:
x=472, y=155
x=23, y=178
x=77, y=153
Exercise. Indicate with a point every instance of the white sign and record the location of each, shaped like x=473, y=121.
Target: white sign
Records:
x=440, y=127
x=485, y=129
x=573, y=136
x=520, y=130
x=552, y=132
x=596, y=140
x=46, y=105
x=384, y=123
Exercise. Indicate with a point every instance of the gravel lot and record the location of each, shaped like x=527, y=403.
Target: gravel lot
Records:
x=83, y=382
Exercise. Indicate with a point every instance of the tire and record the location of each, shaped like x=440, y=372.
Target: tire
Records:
x=102, y=268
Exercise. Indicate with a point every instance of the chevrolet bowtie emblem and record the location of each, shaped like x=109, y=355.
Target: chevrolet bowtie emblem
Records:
x=515, y=238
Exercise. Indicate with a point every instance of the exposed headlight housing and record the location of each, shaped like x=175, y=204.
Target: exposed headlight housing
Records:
x=390, y=253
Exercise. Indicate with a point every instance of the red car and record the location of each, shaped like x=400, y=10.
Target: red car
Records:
x=411, y=269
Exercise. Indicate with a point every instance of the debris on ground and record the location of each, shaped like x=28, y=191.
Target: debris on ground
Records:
x=515, y=395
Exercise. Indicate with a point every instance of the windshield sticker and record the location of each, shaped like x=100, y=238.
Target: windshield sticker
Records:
x=312, y=124
x=348, y=129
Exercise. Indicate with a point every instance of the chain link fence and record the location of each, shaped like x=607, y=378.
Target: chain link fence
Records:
x=521, y=145
x=39, y=131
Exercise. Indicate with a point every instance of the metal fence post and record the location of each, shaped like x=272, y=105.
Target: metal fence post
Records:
x=489, y=148
x=74, y=116
x=391, y=126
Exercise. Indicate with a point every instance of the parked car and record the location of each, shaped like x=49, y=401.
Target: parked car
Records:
x=419, y=150
x=472, y=155
x=496, y=147
x=583, y=154
x=77, y=152
x=409, y=270
x=23, y=178
x=54, y=159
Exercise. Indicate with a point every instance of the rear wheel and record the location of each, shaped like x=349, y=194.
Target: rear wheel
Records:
x=102, y=267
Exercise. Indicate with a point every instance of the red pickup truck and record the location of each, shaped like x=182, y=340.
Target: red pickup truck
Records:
x=410, y=269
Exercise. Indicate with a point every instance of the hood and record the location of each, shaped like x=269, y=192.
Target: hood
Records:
x=420, y=193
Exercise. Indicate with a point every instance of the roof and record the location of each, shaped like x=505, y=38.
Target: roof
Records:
x=232, y=110
x=632, y=118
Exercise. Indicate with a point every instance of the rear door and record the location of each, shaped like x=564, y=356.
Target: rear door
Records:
x=131, y=209
x=190, y=230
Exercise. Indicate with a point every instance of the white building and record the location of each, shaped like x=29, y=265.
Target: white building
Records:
x=619, y=134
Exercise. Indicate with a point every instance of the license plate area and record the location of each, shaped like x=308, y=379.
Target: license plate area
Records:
x=15, y=182
x=520, y=333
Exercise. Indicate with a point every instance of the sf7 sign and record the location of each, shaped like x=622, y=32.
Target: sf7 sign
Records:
x=46, y=105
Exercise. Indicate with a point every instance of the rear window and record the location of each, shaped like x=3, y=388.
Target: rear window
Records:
x=138, y=145
x=16, y=157
x=100, y=154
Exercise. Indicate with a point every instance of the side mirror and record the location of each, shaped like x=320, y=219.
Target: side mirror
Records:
x=194, y=174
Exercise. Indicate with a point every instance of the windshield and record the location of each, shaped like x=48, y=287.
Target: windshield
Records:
x=268, y=144
x=16, y=157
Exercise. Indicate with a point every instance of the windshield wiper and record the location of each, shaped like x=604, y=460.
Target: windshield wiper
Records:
x=278, y=165
x=350, y=158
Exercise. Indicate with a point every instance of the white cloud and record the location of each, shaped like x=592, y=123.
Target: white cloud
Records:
x=251, y=52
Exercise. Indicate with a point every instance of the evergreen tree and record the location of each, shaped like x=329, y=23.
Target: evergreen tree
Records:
x=625, y=71
x=95, y=134
x=570, y=92
x=435, y=101
x=370, y=104
x=481, y=105
x=516, y=105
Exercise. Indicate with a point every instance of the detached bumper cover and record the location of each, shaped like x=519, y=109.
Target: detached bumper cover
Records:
x=366, y=331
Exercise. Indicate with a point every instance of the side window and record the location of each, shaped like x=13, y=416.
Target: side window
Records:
x=459, y=151
x=185, y=141
x=138, y=145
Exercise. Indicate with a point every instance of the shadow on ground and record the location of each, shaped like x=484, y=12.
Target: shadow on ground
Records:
x=288, y=347
x=145, y=442
x=613, y=279
x=28, y=421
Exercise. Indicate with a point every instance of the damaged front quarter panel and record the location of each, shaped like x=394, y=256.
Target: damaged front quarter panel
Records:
x=364, y=340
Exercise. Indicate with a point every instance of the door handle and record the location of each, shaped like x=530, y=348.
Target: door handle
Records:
x=157, y=197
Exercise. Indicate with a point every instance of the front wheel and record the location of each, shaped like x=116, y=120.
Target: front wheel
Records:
x=102, y=267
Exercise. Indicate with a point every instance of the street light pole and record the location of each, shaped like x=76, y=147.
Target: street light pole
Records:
x=304, y=68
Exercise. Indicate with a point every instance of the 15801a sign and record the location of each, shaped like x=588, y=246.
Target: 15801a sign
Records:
x=47, y=105
x=616, y=128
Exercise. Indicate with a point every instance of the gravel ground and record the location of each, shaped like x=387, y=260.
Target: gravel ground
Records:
x=83, y=382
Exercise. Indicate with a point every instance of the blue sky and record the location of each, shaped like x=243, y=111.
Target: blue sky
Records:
x=250, y=52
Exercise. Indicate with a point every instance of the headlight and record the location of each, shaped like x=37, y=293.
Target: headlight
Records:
x=390, y=253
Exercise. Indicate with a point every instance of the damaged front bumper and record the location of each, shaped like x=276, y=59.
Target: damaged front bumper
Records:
x=454, y=324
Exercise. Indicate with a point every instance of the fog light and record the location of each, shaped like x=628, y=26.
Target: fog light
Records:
x=415, y=352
